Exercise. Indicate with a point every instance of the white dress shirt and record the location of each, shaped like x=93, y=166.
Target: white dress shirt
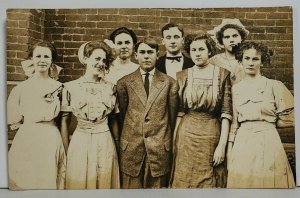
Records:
x=173, y=66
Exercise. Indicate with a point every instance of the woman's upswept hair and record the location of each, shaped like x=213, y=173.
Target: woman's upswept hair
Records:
x=211, y=45
x=91, y=46
x=259, y=47
x=44, y=44
x=220, y=33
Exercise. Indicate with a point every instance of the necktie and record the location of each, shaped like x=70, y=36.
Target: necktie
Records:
x=146, y=83
x=174, y=58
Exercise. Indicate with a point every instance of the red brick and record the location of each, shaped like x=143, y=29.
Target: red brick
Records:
x=23, y=39
x=12, y=23
x=73, y=71
x=17, y=77
x=22, y=55
x=284, y=9
x=17, y=16
x=86, y=24
x=213, y=15
x=55, y=17
x=119, y=18
x=77, y=38
x=284, y=37
x=17, y=46
x=19, y=70
x=191, y=13
x=277, y=16
x=74, y=31
x=78, y=66
x=76, y=17
x=66, y=37
x=108, y=11
x=171, y=13
x=257, y=30
x=90, y=37
x=282, y=30
x=263, y=22
x=110, y=24
x=11, y=54
x=54, y=30
x=10, y=69
x=11, y=39
x=149, y=11
x=283, y=50
x=18, y=10
x=87, y=11
x=16, y=32
x=67, y=11
x=97, y=18
x=56, y=37
x=256, y=15
x=150, y=26
x=95, y=31
x=266, y=9
x=72, y=44
x=180, y=20
x=126, y=11
x=284, y=23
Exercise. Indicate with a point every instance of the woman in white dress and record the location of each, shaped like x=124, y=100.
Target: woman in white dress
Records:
x=92, y=161
x=122, y=40
x=257, y=158
x=37, y=157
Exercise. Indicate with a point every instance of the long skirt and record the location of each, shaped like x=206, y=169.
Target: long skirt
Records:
x=92, y=161
x=36, y=159
x=197, y=138
x=258, y=159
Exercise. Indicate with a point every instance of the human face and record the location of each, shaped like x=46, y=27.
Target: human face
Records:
x=199, y=52
x=123, y=46
x=146, y=57
x=251, y=62
x=231, y=38
x=96, y=62
x=173, y=40
x=42, y=59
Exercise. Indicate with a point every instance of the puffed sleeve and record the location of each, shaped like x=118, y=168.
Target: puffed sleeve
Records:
x=66, y=100
x=284, y=101
x=14, y=114
x=226, y=109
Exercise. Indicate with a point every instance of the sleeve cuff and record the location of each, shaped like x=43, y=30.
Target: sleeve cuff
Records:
x=231, y=137
x=226, y=115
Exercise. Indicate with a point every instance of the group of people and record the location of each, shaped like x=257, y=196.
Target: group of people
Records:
x=195, y=120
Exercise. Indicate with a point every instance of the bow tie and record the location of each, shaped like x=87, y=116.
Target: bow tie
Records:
x=174, y=58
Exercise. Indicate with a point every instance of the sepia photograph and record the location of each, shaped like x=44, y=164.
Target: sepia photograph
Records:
x=150, y=98
x=143, y=98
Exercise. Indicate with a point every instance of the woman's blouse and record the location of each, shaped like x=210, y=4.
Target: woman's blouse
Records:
x=32, y=102
x=236, y=70
x=262, y=99
x=207, y=90
x=90, y=102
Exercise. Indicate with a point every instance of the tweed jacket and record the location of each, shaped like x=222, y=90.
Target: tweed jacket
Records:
x=161, y=63
x=148, y=124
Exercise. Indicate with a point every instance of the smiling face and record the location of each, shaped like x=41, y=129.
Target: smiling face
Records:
x=95, y=64
x=199, y=52
x=251, y=62
x=231, y=38
x=123, y=46
x=173, y=40
x=42, y=59
x=146, y=57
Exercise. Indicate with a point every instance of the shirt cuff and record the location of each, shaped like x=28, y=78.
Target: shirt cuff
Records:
x=231, y=137
x=226, y=115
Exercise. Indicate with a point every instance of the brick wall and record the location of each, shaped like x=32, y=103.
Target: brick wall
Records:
x=69, y=28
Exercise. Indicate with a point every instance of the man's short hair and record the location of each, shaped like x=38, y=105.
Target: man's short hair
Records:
x=171, y=25
x=149, y=41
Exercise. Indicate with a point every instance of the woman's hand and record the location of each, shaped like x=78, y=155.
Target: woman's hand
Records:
x=219, y=155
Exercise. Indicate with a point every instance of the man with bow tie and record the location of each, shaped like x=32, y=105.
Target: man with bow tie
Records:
x=147, y=103
x=174, y=60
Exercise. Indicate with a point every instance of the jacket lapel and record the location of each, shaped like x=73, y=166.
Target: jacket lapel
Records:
x=137, y=85
x=157, y=84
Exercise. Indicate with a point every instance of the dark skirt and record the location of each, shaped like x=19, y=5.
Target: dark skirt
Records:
x=197, y=138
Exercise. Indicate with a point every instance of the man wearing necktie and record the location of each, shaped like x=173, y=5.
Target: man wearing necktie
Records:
x=174, y=60
x=147, y=103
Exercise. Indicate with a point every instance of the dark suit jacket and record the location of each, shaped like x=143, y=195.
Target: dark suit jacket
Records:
x=161, y=63
x=148, y=124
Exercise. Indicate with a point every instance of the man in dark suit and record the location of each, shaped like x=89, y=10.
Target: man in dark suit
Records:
x=174, y=60
x=147, y=103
